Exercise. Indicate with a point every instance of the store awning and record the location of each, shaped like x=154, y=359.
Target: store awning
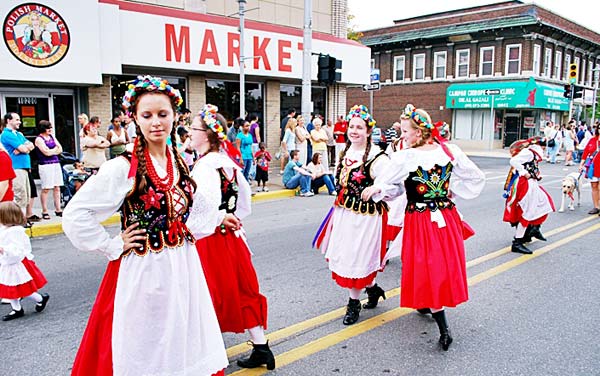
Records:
x=507, y=94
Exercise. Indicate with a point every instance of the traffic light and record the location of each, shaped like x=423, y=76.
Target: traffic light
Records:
x=567, y=93
x=328, y=66
x=577, y=91
x=573, y=73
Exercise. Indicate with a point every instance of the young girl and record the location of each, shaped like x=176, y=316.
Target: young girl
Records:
x=527, y=203
x=19, y=276
x=433, y=254
x=262, y=158
x=223, y=194
x=153, y=314
x=353, y=233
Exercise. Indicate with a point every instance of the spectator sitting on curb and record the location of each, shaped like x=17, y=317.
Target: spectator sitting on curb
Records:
x=296, y=175
x=321, y=175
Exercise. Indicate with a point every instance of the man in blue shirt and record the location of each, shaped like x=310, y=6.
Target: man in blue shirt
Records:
x=295, y=175
x=19, y=148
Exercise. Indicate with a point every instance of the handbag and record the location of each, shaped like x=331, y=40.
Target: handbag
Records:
x=589, y=165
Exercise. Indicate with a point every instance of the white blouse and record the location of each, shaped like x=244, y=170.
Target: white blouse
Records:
x=17, y=247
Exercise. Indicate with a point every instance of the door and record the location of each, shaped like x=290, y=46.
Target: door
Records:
x=64, y=122
x=511, y=128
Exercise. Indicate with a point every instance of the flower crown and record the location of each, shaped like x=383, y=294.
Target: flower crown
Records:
x=208, y=114
x=363, y=113
x=410, y=112
x=148, y=84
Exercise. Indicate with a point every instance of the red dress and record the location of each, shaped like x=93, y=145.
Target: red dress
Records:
x=230, y=275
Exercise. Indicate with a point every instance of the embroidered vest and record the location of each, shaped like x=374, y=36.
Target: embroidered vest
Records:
x=229, y=192
x=161, y=214
x=428, y=190
x=351, y=182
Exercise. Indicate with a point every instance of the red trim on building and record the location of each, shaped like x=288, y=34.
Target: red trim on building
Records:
x=210, y=18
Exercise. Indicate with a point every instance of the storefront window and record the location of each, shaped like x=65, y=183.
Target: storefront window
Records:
x=226, y=96
x=498, y=125
x=118, y=86
x=291, y=97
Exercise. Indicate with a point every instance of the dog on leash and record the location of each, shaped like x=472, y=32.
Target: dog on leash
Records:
x=571, y=184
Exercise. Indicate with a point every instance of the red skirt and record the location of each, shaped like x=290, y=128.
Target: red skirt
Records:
x=20, y=291
x=514, y=216
x=232, y=282
x=354, y=283
x=434, y=271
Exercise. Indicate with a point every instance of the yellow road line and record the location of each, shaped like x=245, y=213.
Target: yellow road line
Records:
x=391, y=315
x=314, y=322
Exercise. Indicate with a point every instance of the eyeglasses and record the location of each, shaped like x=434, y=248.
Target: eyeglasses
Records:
x=199, y=129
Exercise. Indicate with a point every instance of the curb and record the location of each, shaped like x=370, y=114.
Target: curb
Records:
x=56, y=228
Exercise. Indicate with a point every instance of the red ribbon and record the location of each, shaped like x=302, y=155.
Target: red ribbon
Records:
x=435, y=133
x=175, y=230
x=134, y=161
x=232, y=152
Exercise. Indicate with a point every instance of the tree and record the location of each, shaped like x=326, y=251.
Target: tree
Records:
x=353, y=34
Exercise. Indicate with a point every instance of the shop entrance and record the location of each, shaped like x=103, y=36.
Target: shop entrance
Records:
x=511, y=128
x=57, y=107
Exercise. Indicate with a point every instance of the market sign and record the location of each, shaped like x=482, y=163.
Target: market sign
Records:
x=508, y=94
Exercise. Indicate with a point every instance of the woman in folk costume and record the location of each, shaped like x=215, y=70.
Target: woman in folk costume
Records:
x=353, y=234
x=153, y=314
x=222, y=200
x=527, y=203
x=433, y=254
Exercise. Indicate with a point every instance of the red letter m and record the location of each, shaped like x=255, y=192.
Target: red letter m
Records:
x=177, y=46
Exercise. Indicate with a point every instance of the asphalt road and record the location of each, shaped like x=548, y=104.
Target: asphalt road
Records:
x=527, y=315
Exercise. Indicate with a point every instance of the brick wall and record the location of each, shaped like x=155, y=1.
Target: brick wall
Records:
x=336, y=102
x=272, y=117
x=99, y=99
x=339, y=18
x=196, y=92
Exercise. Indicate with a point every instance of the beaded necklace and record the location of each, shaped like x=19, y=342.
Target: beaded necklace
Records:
x=161, y=184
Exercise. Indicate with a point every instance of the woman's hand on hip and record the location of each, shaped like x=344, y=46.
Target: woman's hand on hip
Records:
x=133, y=238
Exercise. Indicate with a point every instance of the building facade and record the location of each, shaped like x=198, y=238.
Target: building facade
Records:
x=63, y=58
x=495, y=73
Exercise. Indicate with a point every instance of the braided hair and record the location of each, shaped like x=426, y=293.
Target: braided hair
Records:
x=365, y=156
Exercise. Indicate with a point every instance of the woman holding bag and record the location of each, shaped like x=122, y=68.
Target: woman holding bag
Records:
x=591, y=162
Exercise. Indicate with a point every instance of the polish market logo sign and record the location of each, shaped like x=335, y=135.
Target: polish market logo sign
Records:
x=36, y=35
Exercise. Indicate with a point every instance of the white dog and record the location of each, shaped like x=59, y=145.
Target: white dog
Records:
x=571, y=184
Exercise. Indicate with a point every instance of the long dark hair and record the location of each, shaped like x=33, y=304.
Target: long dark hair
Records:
x=348, y=144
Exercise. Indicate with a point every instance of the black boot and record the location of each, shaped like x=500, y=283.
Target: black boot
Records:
x=352, y=311
x=374, y=293
x=537, y=233
x=519, y=247
x=527, y=236
x=423, y=311
x=261, y=354
x=14, y=315
x=445, y=338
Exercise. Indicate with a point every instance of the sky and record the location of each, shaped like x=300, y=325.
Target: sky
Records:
x=372, y=14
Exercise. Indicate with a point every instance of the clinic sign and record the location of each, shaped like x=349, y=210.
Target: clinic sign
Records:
x=513, y=94
x=36, y=35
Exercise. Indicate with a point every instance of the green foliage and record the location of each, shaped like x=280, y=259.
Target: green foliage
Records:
x=352, y=33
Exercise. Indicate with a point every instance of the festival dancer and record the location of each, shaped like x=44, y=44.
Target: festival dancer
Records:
x=222, y=200
x=353, y=234
x=153, y=314
x=433, y=254
x=19, y=276
x=527, y=203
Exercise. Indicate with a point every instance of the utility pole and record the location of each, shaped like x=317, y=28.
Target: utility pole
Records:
x=242, y=10
x=307, y=61
x=595, y=70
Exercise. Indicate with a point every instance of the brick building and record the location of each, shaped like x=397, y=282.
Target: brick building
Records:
x=444, y=62
x=89, y=50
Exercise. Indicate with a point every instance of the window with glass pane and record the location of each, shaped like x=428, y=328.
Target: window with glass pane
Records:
x=462, y=69
x=513, y=56
x=537, y=54
x=487, y=61
x=576, y=61
x=566, y=67
x=290, y=96
x=119, y=86
x=419, y=67
x=440, y=65
x=399, y=68
x=557, y=64
x=547, y=62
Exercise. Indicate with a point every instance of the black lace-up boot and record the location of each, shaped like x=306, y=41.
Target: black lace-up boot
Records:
x=445, y=338
x=352, y=311
x=537, y=233
x=519, y=247
x=261, y=354
x=374, y=292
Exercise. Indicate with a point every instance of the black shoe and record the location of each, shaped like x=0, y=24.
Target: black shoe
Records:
x=537, y=233
x=423, y=311
x=261, y=354
x=41, y=305
x=34, y=218
x=374, y=292
x=527, y=236
x=352, y=311
x=594, y=211
x=14, y=315
x=445, y=338
x=519, y=247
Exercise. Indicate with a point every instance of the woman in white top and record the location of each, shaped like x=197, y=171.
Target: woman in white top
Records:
x=288, y=143
x=302, y=136
x=117, y=137
x=319, y=139
x=321, y=175
x=569, y=141
x=93, y=146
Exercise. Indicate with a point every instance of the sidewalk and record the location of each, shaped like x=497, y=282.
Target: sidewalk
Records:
x=53, y=226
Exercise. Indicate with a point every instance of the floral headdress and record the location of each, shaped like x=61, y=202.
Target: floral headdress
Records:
x=410, y=112
x=148, y=84
x=208, y=114
x=363, y=113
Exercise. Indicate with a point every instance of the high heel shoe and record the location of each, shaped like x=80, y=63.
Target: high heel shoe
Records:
x=374, y=292
x=261, y=354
